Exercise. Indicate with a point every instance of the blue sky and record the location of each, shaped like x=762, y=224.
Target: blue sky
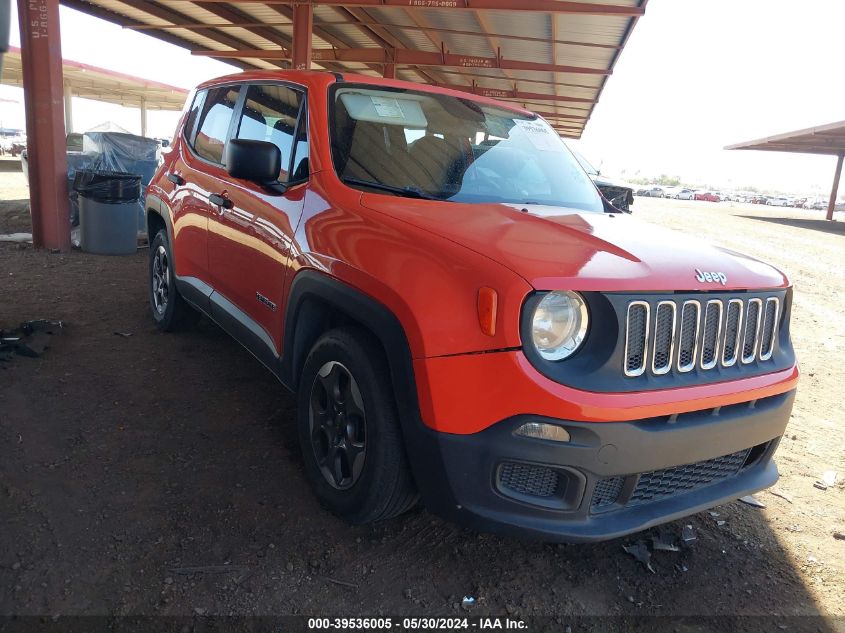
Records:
x=694, y=77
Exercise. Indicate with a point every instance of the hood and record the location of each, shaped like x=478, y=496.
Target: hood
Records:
x=557, y=248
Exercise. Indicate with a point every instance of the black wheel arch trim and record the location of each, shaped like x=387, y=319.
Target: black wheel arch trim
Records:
x=153, y=204
x=420, y=442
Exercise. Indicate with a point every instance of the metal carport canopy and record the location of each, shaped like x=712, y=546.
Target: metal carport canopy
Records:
x=101, y=84
x=825, y=139
x=552, y=56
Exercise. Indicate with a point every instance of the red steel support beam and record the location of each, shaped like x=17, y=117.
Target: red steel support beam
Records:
x=303, y=25
x=405, y=57
x=835, y=191
x=389, y=71
x=543, y=6
x=496, y=93
x=41, y=53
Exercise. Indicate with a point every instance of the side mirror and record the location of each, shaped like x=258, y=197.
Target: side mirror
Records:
x=256, y=161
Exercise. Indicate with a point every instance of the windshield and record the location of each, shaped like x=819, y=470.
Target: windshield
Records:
x=426, y=145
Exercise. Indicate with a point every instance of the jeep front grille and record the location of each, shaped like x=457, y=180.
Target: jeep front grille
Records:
x=702, y=334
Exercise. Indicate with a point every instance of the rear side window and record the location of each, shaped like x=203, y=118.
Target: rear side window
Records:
x=193, y=113
x=214, y=122
x=269, y=114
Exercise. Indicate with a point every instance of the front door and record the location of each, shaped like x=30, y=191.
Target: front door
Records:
x=249, y=242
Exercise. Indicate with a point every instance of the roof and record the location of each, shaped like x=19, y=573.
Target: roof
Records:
x=100, y=84
x=824, y=139
x=550, y=56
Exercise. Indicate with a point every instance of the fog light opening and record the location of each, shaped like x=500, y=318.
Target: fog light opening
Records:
x=543, y=431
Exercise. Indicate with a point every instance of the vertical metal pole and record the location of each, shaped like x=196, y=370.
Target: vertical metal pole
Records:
x=68, y=110
x=143, y=117
x=389, y=71
x=303, y=24
x=835, y=191
x=41, y=53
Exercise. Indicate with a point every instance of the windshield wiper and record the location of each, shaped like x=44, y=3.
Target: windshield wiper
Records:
x=410, y=192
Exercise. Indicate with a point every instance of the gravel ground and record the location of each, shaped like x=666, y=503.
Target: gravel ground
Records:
x=158, y=474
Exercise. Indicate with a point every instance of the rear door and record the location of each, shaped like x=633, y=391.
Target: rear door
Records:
x=250, y=242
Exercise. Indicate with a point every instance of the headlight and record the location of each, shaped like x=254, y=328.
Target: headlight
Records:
x=559, y=324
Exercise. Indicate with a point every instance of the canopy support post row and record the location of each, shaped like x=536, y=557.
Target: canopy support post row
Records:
x=41, y=57
x=68, y=110
x=835, y=191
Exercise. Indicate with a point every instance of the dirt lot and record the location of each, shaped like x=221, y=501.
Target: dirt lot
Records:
x=127, y=461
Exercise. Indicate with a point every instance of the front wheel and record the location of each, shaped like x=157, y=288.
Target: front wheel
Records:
x=170, y=310
x=349, y=431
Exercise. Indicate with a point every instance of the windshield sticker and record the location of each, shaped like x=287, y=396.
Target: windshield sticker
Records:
x=541, y=136
x=388, y=108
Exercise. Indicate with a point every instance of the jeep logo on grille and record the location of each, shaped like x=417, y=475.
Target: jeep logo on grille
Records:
x=711, y=277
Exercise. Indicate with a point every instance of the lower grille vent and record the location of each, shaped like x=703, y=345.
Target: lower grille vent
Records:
x=527, y=479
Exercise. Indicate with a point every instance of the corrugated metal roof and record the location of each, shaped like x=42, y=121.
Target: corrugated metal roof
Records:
x=551, y=56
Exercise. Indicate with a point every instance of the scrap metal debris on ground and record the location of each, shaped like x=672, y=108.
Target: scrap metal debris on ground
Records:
x=828, y=480
x=663, y=541
x=30, y=338
x=753, y=501
x=18, y=238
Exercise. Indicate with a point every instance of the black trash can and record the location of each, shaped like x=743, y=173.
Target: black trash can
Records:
x=108, y=209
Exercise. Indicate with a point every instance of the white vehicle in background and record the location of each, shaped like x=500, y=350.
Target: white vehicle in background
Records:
x=815, y=204
x=671, y=192
x=655, y=192
x=685, y=194
x=779, y=201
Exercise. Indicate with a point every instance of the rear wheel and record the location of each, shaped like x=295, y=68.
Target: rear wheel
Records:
x=349, y=429
x=170, y=311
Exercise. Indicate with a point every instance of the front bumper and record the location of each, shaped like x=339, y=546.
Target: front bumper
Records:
x=611, y=479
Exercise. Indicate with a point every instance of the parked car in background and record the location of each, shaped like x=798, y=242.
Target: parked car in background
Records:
x=798, y=203
x=653, y=192
x=517, y=369
x=707, y=196
x=758, y=199
x=685, y=194
x=618, y=193
x=816, y=204
x=778, y=201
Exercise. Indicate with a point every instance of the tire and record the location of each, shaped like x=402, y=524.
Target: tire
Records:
x=170, y=311
x=346, y=401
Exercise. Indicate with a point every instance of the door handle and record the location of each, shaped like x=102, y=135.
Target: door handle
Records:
x=176, y=179
x=220, y=201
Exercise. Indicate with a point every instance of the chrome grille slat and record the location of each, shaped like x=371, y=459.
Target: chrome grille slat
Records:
x=770, y=326
x=664, y=337
x=688, y=338
x=752, y=330
x=722, y=331
x=636, y=338
x=733, y=329
x=710, y=336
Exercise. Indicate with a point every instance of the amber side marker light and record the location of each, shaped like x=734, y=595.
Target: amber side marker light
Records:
x=488, y=302
x=543, y=431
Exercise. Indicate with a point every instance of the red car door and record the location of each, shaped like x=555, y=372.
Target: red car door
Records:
x=196, y=172
x=250, y=237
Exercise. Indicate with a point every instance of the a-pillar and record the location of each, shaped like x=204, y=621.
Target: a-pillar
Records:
x=41, y=53
x=303, y=25
x=68, y=110
x=835, y=191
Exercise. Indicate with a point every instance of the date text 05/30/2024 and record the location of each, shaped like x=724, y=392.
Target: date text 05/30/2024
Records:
x=415, y=624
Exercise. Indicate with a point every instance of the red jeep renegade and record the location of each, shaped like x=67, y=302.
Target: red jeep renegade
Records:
x=463, y=317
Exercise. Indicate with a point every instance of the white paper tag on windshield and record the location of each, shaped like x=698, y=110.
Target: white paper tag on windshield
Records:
x=388, y=108
x=541, y=135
